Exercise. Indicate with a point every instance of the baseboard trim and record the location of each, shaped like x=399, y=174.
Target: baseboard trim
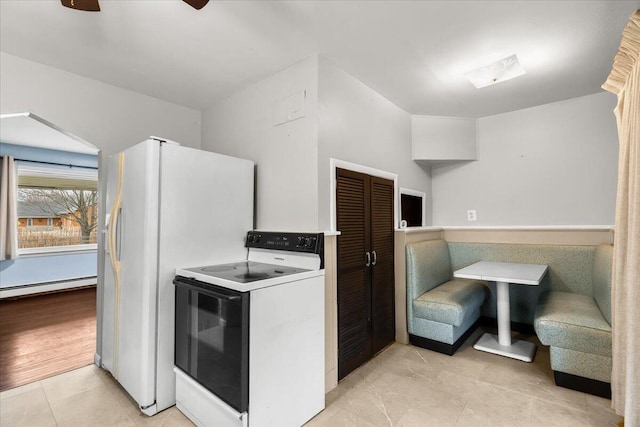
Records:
x=523, y=328
x=585, y=385
x=46, y=287
x=440, y=347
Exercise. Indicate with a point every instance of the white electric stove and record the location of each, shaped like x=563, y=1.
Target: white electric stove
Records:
x=250, y=335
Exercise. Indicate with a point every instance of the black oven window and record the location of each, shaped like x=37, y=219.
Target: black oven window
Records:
x=411, y=207
x=211, y=342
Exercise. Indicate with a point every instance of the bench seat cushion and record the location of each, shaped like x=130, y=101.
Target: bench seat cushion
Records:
x=451, y=301
x=572, y=321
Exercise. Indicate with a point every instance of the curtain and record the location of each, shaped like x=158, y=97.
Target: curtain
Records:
x=8, y=209
x=624, y=81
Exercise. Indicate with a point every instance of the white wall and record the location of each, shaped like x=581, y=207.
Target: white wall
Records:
x=109, y=117
x=286, y=155
x=358, y=125
x=443, y=138
x=554, y=164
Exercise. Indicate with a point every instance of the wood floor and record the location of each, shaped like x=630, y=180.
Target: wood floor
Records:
x=42, y=336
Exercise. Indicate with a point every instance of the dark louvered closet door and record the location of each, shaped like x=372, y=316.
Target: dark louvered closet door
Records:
x=366, y=318
x=382, y=278
x=354, y=298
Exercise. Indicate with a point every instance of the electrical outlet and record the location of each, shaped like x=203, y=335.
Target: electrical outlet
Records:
x=471, y=215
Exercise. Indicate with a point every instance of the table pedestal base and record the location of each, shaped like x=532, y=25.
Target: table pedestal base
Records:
x=521, y=350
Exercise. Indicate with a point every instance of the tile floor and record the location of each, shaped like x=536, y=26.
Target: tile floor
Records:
x=403, y=386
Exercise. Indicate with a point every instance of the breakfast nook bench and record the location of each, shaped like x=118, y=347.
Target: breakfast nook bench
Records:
x=578, y=329
x=441, y=312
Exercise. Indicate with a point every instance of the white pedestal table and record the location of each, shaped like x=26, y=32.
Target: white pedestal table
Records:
x=504, y=273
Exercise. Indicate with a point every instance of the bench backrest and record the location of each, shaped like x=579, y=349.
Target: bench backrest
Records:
x=428, y=266
x=602, y=279
x=570, y=270
x=570, y=266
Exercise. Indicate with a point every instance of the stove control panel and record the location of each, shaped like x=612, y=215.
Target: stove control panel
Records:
x=295, y=242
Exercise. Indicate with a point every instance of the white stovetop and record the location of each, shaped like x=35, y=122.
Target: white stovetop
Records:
x=251, y=286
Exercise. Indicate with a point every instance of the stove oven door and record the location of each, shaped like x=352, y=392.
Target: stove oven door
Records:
x=212, y=339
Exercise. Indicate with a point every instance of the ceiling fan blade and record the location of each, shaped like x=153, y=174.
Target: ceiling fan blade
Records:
x=86, y=5
x=197, y=4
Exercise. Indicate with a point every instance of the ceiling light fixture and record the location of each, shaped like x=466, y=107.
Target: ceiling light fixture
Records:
x=505, y=69
x=94, y=6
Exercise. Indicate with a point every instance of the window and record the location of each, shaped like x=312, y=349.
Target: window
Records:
x=57, y=206
x=412, y=207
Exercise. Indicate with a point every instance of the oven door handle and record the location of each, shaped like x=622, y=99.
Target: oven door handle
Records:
x=184, y=282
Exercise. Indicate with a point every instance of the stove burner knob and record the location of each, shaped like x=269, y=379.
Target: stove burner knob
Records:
x=309, y=242
x=300, y=241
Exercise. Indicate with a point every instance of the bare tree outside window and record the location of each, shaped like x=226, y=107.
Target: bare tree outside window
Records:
x=58, y=217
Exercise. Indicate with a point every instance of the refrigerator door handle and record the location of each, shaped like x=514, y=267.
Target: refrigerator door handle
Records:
x=114, y=224
x=118, y=234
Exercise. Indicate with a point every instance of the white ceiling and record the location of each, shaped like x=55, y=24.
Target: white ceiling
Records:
x=29, y=129
x=412, y=52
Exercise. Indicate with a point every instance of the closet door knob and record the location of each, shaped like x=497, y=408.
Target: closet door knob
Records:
x=368, y=263
x=375, y=258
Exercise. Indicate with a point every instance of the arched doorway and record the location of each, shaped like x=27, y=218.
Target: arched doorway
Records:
x=48, y=293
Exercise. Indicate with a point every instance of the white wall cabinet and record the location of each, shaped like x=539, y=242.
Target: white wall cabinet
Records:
x=443, y=138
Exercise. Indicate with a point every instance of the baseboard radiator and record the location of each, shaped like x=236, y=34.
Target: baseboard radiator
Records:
x=45, y=287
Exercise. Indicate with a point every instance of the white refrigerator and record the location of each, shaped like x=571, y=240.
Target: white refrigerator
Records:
x=168, y=206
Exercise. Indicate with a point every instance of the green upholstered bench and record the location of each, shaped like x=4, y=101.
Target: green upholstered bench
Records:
x=569, y=271
x=577, y=327
x=441, y=312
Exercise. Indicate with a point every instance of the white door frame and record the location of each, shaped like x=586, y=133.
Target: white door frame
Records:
x=420, y=194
